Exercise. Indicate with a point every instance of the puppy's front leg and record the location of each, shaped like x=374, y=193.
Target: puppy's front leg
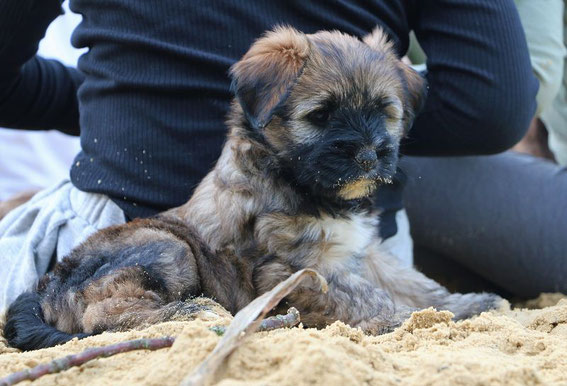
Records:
x=350, y=299
x=409, y=286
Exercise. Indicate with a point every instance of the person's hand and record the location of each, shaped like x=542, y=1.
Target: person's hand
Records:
x=535, y=141
x=15, y=201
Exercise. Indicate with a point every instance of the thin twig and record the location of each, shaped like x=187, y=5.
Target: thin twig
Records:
x=61, y=364
x=69, y=361
x=288, y=320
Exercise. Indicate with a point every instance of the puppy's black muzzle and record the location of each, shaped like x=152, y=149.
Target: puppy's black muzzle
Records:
x=367, y=159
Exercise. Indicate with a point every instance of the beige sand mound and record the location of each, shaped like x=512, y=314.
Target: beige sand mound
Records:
x=524, y=347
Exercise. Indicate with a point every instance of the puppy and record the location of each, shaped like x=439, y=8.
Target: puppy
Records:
x=314, y=132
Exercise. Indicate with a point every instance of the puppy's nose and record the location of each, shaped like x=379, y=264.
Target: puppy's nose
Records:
x=367, y=159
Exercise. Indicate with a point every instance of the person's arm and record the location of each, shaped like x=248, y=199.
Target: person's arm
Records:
x=481, y=86
x=35, y=93
x=543, y=24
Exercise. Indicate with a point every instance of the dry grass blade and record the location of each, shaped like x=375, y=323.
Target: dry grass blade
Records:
x=246, y=322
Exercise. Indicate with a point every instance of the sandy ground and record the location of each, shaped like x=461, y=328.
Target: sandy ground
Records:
x=511, y=347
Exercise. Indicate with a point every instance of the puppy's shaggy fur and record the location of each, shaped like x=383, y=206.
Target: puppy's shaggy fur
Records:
x=314, y=132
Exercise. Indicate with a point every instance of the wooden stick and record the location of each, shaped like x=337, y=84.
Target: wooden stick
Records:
x=288, y=320
x=61, y=364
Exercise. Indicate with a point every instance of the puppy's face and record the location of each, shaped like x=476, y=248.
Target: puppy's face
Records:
x=330, y=107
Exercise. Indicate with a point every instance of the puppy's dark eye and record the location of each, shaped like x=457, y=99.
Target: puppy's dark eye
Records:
x=319, y=117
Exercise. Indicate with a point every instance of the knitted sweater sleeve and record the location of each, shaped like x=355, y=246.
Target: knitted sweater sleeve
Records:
x=482, y=88
x=35, y=93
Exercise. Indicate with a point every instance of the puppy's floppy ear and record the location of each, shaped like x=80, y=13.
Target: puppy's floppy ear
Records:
x=263, y=78
x=415, y=86
x=415, y=93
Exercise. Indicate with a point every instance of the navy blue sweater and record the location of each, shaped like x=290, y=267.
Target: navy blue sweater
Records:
x=153, y=89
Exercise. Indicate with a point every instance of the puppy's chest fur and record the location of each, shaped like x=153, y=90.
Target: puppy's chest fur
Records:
x=324, y=242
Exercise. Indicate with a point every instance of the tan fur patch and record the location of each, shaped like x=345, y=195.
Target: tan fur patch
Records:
x=357, y=189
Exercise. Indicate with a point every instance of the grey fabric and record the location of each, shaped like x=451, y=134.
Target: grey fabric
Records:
x=502, y=216
x=53, y=222
x=401, y=244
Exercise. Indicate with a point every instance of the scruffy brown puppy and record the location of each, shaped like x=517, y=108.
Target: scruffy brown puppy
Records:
x=314, y=131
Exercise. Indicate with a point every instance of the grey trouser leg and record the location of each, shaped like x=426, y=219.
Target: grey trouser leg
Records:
x=503, y=216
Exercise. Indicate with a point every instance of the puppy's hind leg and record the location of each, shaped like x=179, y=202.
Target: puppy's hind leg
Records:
x=129, y=297
x=117, y=314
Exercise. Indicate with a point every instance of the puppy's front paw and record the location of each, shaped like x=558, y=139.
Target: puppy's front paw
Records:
x=467, y=305
x=381, y=325
x=377, y=326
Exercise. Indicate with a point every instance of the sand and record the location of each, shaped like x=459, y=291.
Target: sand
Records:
x=506, y=347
